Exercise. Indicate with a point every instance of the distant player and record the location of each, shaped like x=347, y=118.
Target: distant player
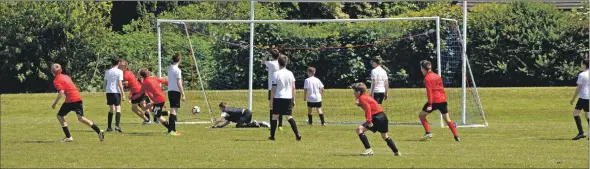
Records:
x=242, y=117
x=175, y=91
x=313, y=91
x=130, y=81
x=379, y=81
x=582, y=103
x=64, y=85
x=113, y=83
x=283, y=92
x=272, y=66
x=437, y=100
x=376, y=120
x=151, y=87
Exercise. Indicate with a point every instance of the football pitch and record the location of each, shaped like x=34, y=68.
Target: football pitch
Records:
x=529, y=128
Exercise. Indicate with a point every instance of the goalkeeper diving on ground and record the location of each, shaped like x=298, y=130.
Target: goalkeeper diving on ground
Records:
x=242, y=118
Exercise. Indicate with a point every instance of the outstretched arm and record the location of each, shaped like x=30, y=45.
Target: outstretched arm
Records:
x=59, y=94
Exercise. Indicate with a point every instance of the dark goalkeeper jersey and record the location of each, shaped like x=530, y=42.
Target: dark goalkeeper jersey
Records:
x=233, y=114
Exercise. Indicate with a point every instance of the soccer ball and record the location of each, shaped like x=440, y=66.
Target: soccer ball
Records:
x=196, y=110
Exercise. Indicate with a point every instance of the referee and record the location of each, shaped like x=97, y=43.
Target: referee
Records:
x=283, y=92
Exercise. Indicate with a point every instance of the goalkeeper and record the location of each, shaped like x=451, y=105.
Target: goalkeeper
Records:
x=243, y=118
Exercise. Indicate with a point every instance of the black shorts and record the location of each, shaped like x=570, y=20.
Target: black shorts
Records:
x=174, y=99
x=314, y=104
x=68, y=107
x=282, y=106
x=442, y=107
x=158, y=109
x=582, y=104
x=380, y=123
x=142, y=97
x=114, y=99
x=246, y=117
x=379, y=97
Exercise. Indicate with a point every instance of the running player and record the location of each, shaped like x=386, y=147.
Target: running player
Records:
x=64, y=85
x=437, y=100
x=151, y=87
x=135, y=87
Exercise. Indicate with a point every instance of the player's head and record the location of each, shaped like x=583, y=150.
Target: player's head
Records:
x=144, y=72
x=123, y=65
x=176, y=58
x=274, y=53
x=283, y=61
x=55, y=69
x=585, y=61
x=310, y=71
x=425, y=66
x=115, y=61
x=358, y=88
x=376, y=61
x=222, y=106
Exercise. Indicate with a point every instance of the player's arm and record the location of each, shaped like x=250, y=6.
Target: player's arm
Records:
x=386, y=89
x=304, y=94
x=293, y=84
x=59, y=95
x=162, y=81
x=273, y=90
x=373, y=87
x=305, y=87
x=179, y=82
x=576, y=93
x=120, y=81
x=429, y=93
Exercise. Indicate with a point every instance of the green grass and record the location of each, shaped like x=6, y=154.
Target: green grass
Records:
x=529, y=127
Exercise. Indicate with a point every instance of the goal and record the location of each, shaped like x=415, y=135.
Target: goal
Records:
x=433, y=38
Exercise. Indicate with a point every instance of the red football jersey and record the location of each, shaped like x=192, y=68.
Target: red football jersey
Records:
x=370, y=106
x=132, y=82
x=64, y=82
x=151, y=87
x=434, y=88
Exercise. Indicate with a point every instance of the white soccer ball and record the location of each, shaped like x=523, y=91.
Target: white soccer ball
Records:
x=196, y=110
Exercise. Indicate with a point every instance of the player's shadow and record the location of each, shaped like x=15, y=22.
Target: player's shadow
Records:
x=249, y=140
x=417, y=140
x=555, y=139
x=142, y=133
x=38, y=141
x=87, y=131
x=347, y=155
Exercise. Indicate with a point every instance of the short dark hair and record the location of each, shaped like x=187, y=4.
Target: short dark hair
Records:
x=359, y=87
x=176, y=57
x=274, y=53
x=377, y=60
x=311, y=70
x=115, y=61
x=283, y=60
x=223, y=104
x=144, y=72
x=426, y=65
x=585, y=62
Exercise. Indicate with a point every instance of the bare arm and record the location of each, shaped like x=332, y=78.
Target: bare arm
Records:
x=105, y=85
x=373, y=87
x=273, y=90
x=304, y=94
x=293, y=84
x=386, y=89
x=122, y=91
x=59, y=95
x=179, y=82
x=322, y=91
x=576, y=94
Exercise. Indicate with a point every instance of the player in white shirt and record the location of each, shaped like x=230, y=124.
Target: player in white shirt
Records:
x=283, y=92
x=582, y=103
x=313, y=91
x=175, y=92
x=272, y=66
x=379, y=81
x=113, y=84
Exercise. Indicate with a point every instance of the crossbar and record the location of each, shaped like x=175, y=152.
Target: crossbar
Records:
x=297, y=21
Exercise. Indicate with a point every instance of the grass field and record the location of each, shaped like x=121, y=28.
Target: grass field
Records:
x=529, y=127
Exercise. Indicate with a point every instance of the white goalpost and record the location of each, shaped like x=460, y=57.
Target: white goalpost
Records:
x=451, y=60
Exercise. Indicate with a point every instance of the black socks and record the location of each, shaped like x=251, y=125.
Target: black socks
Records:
x=95, y=128
x=294, y=127
x=322, y=118
x=117, y=119
x=391, y=145
x=273, y=128
x=110, y=119
x=579, y=124
x=172, y=123
x=66, y=131
x=309, y=119
x=365, y=141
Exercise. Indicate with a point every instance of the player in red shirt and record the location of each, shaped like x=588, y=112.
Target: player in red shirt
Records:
x=437, y=100
x=376, y=119
x=65, y=86
x=133, y=84
x=151, y=87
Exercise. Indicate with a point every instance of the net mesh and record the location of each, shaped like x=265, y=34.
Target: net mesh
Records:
x=339, y=51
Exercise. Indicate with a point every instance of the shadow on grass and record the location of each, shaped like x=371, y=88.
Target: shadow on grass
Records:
x=348, y=155
x=556, y=139
x=417, y=140
x=39, y=141
x=143, y=133
x=86, y=131
x=250, y=140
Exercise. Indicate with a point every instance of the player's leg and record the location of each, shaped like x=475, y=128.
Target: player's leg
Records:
x=578, y=121
x=360, y=131
x=157, y=112
x=288, y=114
x=174, y=98
x=442, y=107
x=424, y=121
x=112, y=109
x=309, y=114
x=63, y=111
x=246, y=121
x=140, y=114
x=381, y=124
x=79, y=109
x=390, y=144
x=321, y=113
x=118, y=114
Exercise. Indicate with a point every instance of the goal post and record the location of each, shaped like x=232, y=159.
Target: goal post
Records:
x=452, y=63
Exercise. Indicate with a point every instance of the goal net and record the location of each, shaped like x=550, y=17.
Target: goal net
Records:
x=216, y=66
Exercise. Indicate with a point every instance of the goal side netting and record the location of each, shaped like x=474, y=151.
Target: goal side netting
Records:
x=216, y=65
